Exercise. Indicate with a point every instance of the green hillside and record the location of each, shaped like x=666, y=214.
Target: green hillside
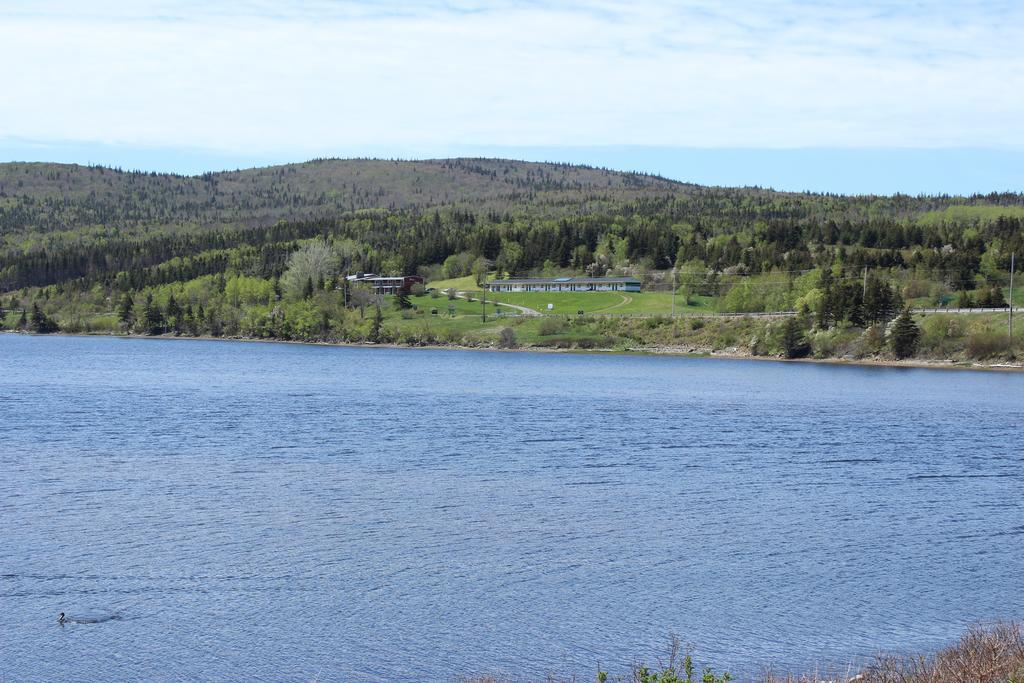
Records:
x=44, y=197
x=264, y=252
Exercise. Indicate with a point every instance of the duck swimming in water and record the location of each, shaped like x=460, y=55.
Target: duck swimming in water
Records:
x=61, y=619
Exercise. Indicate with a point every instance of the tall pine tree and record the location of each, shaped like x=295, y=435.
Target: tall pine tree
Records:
x=794, y=343
x=905, y=336
x=126, y=311
x=153, y=318
x=41, y=323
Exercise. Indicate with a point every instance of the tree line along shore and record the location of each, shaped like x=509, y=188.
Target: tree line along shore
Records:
x=934, y=338
x=264, y=254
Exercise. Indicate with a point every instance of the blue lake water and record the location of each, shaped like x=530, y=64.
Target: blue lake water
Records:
x=271, y=512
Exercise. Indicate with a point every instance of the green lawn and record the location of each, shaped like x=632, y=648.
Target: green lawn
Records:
x=631, y=303
x=660, y=303
x=443, y=303
x=465, y=319
x=459, y=283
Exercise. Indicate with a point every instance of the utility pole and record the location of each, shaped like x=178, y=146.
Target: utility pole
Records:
x=483, y=304
x=864, y=294
x=1009, y=320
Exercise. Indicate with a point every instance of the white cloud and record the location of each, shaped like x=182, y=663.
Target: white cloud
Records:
x=323, y=76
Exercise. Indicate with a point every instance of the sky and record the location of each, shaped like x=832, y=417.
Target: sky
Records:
x=870, y=96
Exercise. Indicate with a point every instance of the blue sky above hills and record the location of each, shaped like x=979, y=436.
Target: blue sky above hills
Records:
x=863, y=96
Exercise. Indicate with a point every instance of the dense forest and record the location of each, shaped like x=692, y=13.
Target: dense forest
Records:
x=77, y=242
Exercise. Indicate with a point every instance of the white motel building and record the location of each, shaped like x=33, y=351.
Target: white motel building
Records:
x=566, y=284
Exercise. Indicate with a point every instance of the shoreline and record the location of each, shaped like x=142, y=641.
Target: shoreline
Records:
x=680, y=352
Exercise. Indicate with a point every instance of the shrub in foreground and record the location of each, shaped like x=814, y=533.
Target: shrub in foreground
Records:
x=985, y=654
x=507, y=338
x=992, y=654
x=984, y=344
x=551, y=326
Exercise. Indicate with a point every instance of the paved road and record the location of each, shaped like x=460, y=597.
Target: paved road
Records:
x=522, y=309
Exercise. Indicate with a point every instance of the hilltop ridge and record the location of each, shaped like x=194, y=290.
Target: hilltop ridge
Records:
x=39, y=198
x=45, y=197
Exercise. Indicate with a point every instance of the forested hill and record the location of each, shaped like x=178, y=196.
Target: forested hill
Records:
x=44, y=197
x=80, y=227
x=39, y=198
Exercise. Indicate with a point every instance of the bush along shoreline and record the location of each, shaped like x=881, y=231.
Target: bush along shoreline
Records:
x=992, y=653
x=941, y=339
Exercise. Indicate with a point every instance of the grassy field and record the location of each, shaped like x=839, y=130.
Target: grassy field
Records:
x=619, y=303
x=459, y=283
x=447, y=307
x=455, y=318
x=466, y=324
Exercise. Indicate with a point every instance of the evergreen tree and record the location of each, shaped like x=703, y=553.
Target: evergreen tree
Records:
x=840, y=301
x=905, y=336
x=850, y=303
x=152, y=318
x=794, y=343
x=174, y=314
x=23, y=320
x=126, y=311
x=37, y=320
x=378, y=319
x=881, y=303
x=41, y=323
x=213, y=323
x=190, y=321
x=402, y=298
x=200, y=321
x=825, y=310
